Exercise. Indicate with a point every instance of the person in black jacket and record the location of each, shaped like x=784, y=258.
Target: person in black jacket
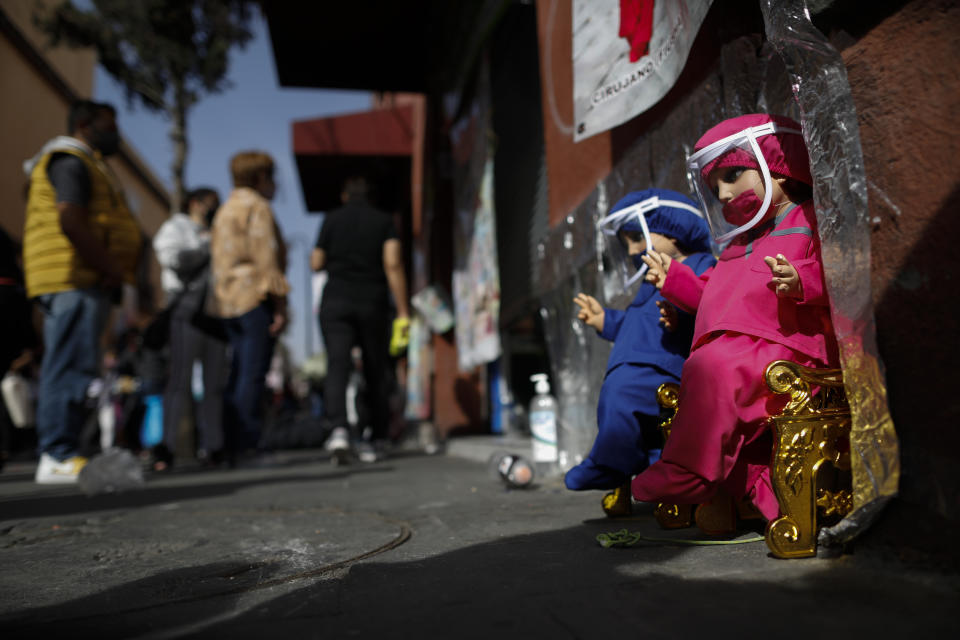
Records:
x=359, y=248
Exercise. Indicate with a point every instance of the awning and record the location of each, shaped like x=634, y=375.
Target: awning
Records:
x=377, y=144
x=417, y=46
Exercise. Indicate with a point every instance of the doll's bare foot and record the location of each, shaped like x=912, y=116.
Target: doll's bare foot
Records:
x=717, y=516
x=617, y=503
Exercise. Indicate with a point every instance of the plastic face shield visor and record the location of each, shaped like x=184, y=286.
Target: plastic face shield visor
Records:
x=744, y=142
x=616, y=249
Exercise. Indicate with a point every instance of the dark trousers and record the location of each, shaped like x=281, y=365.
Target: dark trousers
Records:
x=346, y=322
x=252, y=348
x=187, y=345
x=14, y=323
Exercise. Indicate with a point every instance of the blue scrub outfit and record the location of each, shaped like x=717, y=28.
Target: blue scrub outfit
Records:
x=644, y=356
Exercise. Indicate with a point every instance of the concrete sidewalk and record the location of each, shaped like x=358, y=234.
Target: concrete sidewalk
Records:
x=415, y=546
x=480, y=448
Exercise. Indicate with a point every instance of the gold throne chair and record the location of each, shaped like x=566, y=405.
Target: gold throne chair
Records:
x=809, y=463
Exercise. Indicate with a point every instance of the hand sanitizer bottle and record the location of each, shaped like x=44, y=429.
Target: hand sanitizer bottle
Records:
x=543, y=427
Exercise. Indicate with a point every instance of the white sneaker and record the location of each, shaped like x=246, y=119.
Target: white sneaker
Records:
x=372, y=451
x=49, y=471
x=366, y=452
x=338, y=444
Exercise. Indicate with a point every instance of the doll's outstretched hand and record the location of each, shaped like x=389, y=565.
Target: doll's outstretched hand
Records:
x=668, y=315
x=785, y=279
x=657, y=266
x=591, y=312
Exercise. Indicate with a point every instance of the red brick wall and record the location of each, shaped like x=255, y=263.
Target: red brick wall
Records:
x=906, y=85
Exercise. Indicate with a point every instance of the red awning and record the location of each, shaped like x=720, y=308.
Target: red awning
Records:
x=383, y=132
x=377, y=144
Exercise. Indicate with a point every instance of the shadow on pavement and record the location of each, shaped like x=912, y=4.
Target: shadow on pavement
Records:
x=551, y=584
x=37, y=505
x=446, y=595
x=97, y=615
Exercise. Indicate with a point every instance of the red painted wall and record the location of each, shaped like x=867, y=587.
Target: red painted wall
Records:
x=573, y=168
x=906, y=86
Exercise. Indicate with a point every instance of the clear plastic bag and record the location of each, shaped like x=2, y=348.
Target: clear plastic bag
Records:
x=112, y=471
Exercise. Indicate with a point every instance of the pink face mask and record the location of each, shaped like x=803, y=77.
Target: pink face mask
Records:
x=741, y=209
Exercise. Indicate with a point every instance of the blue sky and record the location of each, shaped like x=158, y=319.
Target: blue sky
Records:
x=254, y=113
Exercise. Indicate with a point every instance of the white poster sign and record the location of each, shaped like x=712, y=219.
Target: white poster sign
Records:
x=627, y=54
x=476, y=287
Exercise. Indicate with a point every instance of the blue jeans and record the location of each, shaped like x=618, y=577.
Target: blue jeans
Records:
x=73, y=323
x=252, y=348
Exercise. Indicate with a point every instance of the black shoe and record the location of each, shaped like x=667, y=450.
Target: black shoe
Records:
x=212, y=459
x=161, y=460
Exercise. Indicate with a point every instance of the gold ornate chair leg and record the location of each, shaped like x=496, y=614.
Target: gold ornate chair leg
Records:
x=671, y=516
x=616, y=504
x=674, y=516
x=792, y=535
x=802, y=448
x=806, y=435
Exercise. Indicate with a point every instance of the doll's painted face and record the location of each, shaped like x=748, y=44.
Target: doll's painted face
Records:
x=636, y=244
x=729, y=182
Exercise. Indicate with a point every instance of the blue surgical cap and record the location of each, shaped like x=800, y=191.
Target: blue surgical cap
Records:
x=686, y=227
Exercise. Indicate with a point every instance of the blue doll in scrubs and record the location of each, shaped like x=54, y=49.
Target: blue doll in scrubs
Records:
x=651, y=338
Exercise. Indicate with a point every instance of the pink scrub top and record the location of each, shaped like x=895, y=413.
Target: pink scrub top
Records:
x=741, y=297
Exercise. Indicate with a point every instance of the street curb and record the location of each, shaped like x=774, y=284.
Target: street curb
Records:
x=481, y=448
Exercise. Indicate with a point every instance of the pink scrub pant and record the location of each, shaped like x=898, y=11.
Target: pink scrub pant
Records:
x=721, y=435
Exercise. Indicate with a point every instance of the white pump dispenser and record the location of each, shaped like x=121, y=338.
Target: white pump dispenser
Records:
x=541, y=383
x=543, y=426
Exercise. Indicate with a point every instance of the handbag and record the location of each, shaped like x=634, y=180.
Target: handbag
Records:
x=190, y=302
x=156, y=335
x=200, y=317
x=18, y=397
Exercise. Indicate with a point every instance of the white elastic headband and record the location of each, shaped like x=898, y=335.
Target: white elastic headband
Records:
x=646, y=236
x=609, y=224
x=606, y=223
x=715, y=149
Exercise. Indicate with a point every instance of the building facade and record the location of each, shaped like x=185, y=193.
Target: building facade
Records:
x=40, y=83
x=894, y=63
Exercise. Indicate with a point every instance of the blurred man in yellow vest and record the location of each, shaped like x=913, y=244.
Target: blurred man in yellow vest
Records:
x=80, y=245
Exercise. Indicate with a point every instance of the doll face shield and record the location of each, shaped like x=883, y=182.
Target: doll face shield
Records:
x=720, y=160
x=631, y=219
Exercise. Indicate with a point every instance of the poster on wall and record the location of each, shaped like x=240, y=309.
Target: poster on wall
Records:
x=476, y=275
x=627, y=54
x=476, y=285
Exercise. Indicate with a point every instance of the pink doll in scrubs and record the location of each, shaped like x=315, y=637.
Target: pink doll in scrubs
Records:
x=764, y=300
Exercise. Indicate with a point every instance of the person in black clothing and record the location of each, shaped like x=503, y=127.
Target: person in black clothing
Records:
x=359, y=248
x=15, y=321
x=16, y=327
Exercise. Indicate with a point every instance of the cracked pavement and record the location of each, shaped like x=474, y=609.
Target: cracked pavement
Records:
x=415, y=545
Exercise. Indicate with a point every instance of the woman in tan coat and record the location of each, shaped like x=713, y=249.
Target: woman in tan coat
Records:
x=249, y=259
